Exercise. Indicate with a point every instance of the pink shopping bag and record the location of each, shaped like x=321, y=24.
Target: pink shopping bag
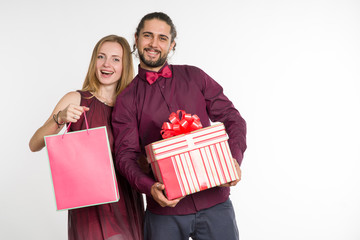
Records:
x=82, y=168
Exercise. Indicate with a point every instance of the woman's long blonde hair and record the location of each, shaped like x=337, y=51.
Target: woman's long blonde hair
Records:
x=92, y=83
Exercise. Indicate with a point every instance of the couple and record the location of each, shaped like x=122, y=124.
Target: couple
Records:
x=133, y=111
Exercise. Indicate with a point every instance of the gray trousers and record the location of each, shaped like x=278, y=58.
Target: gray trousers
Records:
x=215, y=223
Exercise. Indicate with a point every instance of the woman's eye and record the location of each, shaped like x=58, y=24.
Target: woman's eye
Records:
x=116, y=59
x=100, y=57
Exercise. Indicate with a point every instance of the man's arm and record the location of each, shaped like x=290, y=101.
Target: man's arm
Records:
x=221, y=109
x=128, y=151
x=126, y=144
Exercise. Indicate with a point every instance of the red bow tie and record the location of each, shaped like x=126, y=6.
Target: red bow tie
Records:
x=152, y=76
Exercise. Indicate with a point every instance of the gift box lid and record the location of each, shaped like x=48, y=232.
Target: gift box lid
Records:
x=186, y=142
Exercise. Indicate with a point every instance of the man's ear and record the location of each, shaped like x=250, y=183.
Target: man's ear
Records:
x=172, y=45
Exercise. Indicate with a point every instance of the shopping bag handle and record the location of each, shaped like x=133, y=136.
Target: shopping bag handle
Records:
x=86, y=122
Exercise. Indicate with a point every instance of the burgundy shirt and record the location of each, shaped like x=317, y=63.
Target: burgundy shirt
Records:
x=140, y=111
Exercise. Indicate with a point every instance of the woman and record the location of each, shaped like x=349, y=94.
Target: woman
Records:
x=110, y=71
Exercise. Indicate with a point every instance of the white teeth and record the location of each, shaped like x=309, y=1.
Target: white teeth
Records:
x=152, y=52
x=106, y=72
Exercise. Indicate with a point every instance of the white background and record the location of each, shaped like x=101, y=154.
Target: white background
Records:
x=290, y=67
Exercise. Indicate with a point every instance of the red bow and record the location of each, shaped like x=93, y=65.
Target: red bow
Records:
x=152, y=76
x=178, y=126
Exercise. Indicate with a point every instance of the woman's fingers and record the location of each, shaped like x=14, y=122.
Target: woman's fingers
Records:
x=72, y=113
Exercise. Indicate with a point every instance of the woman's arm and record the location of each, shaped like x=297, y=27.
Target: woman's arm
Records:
x=67, y=110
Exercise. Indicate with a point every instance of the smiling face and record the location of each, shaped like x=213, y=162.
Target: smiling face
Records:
x=109, y=63
x=154, y=44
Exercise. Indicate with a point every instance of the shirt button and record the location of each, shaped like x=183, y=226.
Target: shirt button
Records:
x=162, y=87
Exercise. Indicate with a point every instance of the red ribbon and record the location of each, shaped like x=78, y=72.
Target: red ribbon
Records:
x=177, y=125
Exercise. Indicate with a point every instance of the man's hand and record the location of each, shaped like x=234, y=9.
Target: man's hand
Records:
x=233, y=183
x=159, y=197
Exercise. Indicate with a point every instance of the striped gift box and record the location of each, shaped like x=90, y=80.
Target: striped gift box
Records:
x=192, y=162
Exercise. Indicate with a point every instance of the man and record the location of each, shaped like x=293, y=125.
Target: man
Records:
x=139, y=112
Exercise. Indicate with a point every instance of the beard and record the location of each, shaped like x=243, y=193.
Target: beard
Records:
x=152, y=64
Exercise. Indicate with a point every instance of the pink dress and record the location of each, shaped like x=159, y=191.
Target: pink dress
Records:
x=122, y=220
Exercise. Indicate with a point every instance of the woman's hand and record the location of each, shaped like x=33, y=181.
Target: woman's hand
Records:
x=71, y=113
x=67, y=110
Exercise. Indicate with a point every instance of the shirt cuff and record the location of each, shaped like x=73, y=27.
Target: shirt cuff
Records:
x=145, y=185
x=237, y=154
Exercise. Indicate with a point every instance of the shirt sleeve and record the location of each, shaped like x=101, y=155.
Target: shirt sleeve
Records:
x=221, y=109
x=126, y=143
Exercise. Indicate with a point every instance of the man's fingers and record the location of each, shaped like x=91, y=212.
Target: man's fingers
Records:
x=160, y=186
x=174, y=202
x=160, y=198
